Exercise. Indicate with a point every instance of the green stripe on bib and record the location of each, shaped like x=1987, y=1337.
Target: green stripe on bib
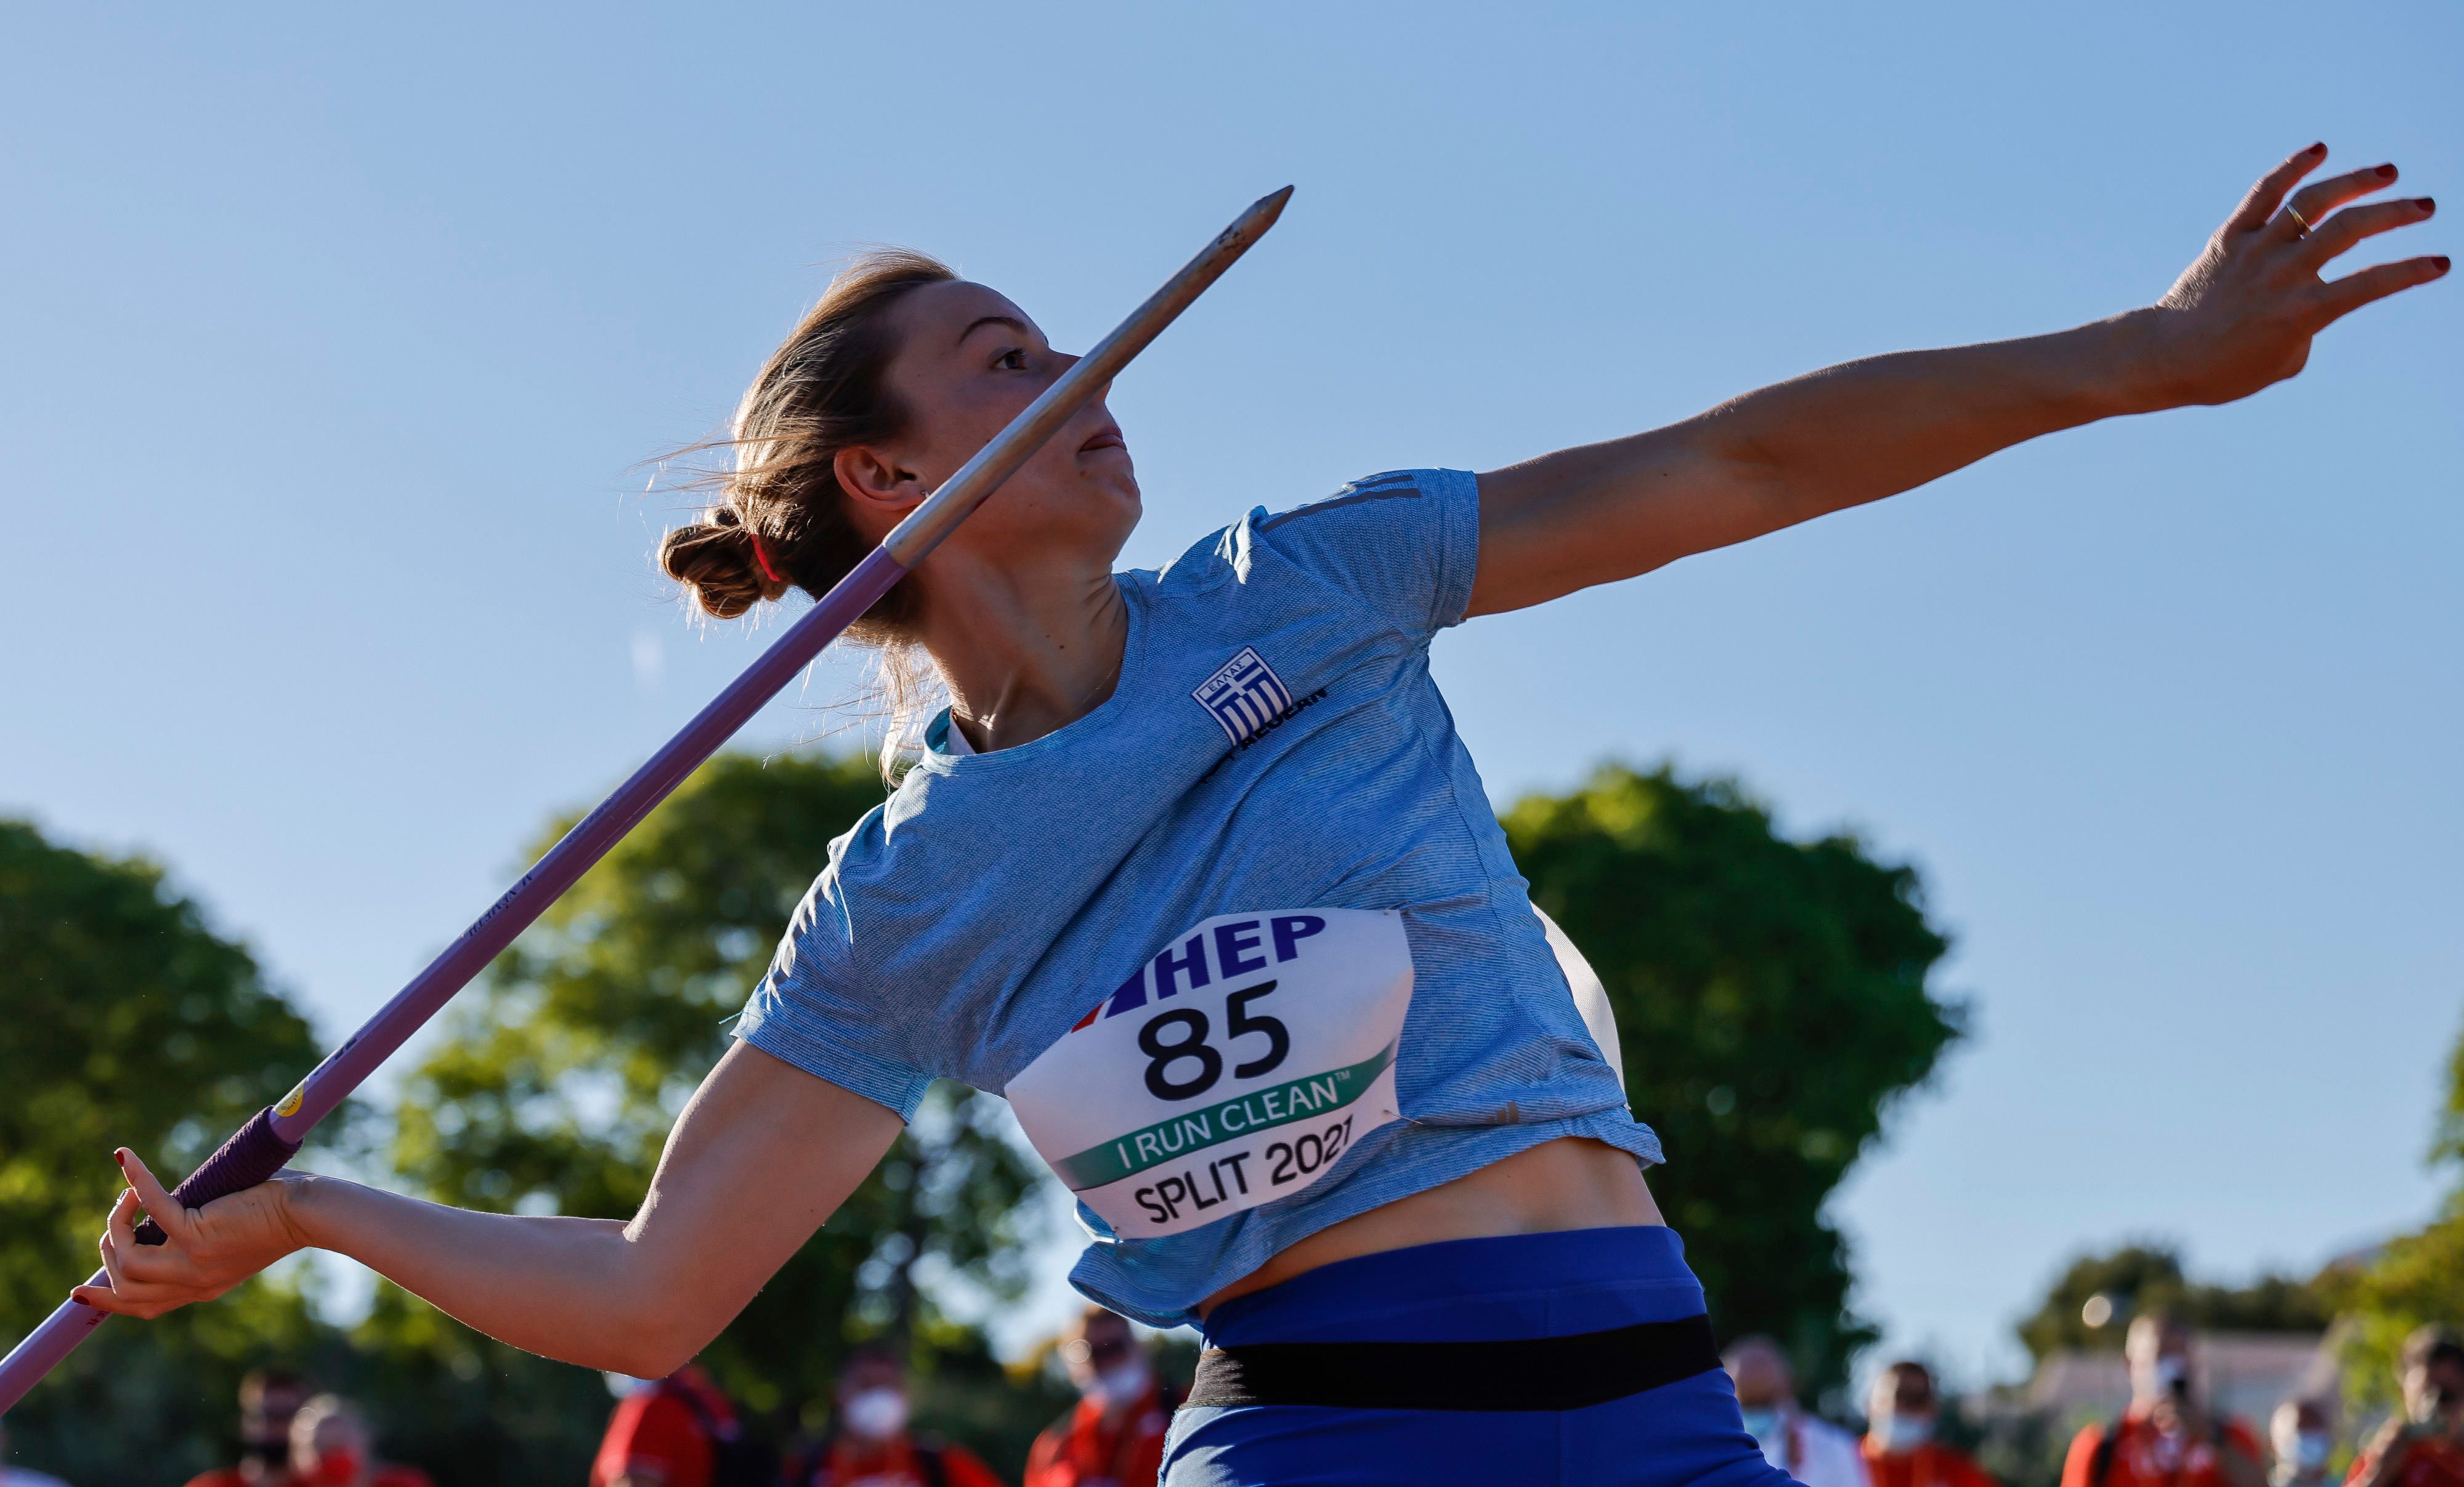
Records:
x=1260, y=1109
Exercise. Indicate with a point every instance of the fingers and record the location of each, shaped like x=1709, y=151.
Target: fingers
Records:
x=2261, y=202
x=158, y=1207
x=120, y=1227
x=117, y=1237
x=129, y=1262
x=2342, y=297
x=101, y=1298
x=2340, y=232
x=125, y=1263
x=2320, y=197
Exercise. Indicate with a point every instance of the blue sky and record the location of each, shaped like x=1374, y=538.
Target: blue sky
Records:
x=335, y=341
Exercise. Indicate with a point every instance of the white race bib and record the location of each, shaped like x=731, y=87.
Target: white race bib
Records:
x=1231, y=1070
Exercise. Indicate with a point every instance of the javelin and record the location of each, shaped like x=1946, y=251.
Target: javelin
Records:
x=272, y=1137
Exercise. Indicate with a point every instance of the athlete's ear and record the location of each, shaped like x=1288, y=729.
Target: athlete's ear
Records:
x=875, y=481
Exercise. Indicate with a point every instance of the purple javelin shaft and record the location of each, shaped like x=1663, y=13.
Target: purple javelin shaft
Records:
x=263, y=1145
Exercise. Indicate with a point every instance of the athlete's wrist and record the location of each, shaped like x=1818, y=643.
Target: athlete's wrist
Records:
x=303, y=1205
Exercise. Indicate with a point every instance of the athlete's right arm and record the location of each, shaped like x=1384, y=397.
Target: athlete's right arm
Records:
x=763, y=1153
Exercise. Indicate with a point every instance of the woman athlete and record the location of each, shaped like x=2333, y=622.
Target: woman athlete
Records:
x=1195, y=871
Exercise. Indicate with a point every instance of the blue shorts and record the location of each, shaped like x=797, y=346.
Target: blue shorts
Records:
x=1683, y=1434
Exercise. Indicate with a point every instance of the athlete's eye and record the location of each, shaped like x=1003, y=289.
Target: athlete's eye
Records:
x=1014, y=360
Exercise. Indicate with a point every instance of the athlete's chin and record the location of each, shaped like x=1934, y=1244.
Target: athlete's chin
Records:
x=1117, y=488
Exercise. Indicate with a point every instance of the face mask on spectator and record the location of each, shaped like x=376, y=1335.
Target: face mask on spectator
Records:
x=1903, y=1432
x=2172, y=1375
x=1763, y=1423
x=1121, y=1383
x=875, y=1413
x=2312, y=1449
x=624, y=1386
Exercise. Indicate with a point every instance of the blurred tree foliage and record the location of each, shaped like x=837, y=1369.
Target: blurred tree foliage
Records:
x=2144, y=1277
x=2415, y=1279
x=1772, y=999
x=130, y=1024
x=559, y=1077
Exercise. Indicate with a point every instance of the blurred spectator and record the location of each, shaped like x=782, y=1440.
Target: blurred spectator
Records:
x=2423, y=1447
x=1114, y=1436
x=677, y=1431
x=1806, y=1447
x=268, y=1399
x=870, y=1445
x=331, y=1447
x=2165, y=1438
x=1899, y=1445
x=18, y=1475
x=2303, y=1439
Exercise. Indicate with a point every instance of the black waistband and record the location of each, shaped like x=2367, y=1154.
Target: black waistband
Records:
x=1523, y=1373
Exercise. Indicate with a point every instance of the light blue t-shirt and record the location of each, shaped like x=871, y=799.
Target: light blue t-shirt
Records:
x=1274, y=795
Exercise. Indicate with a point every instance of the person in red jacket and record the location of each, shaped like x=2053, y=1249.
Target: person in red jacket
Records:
x=2425, y=1446
x=1900, y=1447
x=1114, y=1435
x=2165, y=1438
x=331, y=1446
x=268, y=1399
x=872, y=1446
x=665, y=1432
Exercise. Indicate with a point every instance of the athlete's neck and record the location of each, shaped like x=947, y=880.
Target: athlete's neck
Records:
x=1028, y=646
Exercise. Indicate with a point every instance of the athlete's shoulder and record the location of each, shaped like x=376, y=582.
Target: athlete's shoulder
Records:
x=1231, y=551
x=1402, y=546
x=1369, y=498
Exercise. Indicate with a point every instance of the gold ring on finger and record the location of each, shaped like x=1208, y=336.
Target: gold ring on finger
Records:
x=2301, y=223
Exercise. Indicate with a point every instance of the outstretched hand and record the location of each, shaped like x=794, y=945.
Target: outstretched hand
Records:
x=207, y=1250
x=2242, y=316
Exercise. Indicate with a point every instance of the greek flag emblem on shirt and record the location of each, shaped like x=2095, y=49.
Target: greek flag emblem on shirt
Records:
x=1244, y=695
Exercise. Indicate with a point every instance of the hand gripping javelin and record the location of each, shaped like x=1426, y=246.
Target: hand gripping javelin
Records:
x=270, y=1139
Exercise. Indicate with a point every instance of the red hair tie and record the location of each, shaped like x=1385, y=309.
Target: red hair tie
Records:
x=762, y=558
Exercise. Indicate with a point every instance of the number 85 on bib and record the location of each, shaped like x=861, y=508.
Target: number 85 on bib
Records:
x=1233, y=1069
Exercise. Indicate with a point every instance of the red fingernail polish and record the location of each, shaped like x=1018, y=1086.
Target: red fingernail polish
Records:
x=2385, y=170
x=2427, y=205
x=2316, y=148
x=2442, y=262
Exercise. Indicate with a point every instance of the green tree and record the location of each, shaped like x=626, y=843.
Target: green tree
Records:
x=559, y=1080
x=2415, y=1279
x=1772, y=999
x=130, y=1024
x=2147, y=1276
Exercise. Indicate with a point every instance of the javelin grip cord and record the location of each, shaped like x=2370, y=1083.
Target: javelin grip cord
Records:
x=272, y=1137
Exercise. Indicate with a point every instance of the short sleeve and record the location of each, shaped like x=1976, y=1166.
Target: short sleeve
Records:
x=813, y=1008
x=1404, y=544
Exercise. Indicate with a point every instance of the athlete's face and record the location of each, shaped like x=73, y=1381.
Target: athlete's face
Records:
x=968, y=362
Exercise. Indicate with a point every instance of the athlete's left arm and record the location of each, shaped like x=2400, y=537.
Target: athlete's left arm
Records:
x=2240, y=319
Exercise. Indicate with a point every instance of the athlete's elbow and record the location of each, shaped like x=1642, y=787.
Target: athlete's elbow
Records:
x=651, y=1346
x=652, y=1330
